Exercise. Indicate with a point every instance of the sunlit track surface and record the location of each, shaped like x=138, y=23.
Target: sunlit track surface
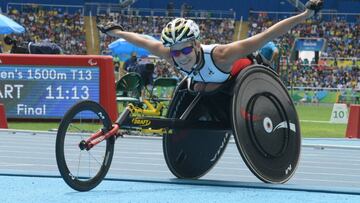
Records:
x=325, y=164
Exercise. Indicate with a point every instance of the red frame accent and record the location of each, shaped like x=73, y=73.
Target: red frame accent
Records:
x=239, y=65
x=105, y=63
x=98, y=137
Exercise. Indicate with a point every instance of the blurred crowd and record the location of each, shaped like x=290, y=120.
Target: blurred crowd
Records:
x=343, y=38
x=212, y=31
x=67, y=30
x=64, y=29
x=161, y=67
x=303, y=74
x=343, y=41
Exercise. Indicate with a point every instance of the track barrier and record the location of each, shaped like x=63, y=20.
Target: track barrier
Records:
x=3, y=119
x=353, y=127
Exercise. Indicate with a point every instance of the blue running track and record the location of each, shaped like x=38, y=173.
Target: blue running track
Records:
x=329, y=171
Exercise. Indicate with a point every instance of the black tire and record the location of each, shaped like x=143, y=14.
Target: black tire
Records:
x=94, y=117
x=266, y=126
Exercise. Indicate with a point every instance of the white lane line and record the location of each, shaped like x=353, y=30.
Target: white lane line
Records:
x=52, y=147
x=331, y=146
x=312, y=121
x=316, y=180
x=325, y=163
x=121, y=161
x=313, y=159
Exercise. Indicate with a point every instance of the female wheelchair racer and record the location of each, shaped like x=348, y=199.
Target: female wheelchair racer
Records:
x=226, y=92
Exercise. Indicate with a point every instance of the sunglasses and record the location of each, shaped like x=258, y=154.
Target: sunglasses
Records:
x=185, y=51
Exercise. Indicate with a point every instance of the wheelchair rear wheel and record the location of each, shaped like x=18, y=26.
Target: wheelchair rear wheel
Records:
x=266, y=126
x=191, y=153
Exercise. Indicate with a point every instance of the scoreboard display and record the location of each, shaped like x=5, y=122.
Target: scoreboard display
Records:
x=45, y=91
x=31, y=91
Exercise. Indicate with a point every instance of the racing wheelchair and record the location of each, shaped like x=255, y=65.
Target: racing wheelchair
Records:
x=253, y=106
x=131, y=92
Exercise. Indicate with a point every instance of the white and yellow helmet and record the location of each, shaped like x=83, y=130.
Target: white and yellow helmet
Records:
x=179, y=30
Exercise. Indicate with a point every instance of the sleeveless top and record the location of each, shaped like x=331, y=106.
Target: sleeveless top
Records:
x=209, y=72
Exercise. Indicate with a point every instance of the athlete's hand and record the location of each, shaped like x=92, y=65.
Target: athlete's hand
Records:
x=313, y=6
x=110, y=29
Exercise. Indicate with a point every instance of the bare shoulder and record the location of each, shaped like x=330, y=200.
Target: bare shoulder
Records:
x=221, y=58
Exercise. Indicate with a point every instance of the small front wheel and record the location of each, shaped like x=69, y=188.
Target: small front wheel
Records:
x=81, y=168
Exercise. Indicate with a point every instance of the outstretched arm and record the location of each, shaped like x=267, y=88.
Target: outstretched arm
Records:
x=226, y=55
x=155, y=47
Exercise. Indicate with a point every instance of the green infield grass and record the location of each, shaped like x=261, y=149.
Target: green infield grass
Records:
x=313, y=123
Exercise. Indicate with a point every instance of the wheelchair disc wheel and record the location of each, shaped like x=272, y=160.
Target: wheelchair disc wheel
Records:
x=191, y=153
x=266, y=125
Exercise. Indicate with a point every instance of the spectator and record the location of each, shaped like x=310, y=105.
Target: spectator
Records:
x=170, y=8
x=44, y=47
x=116, y=67
x=305, y=98
x=131, y=63
x=24, y=47
x=315, y=98
x=354, y=97
x=342, y=96
x=270, y=54
x=184, y=10
x=146, y=70
x=16, y=47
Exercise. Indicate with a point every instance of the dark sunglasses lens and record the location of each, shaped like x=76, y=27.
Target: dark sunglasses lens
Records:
x=187, y=50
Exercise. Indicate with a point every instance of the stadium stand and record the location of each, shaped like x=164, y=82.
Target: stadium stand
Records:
x=338, y=66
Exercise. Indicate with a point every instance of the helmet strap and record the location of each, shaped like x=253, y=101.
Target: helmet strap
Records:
x=199, y=62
